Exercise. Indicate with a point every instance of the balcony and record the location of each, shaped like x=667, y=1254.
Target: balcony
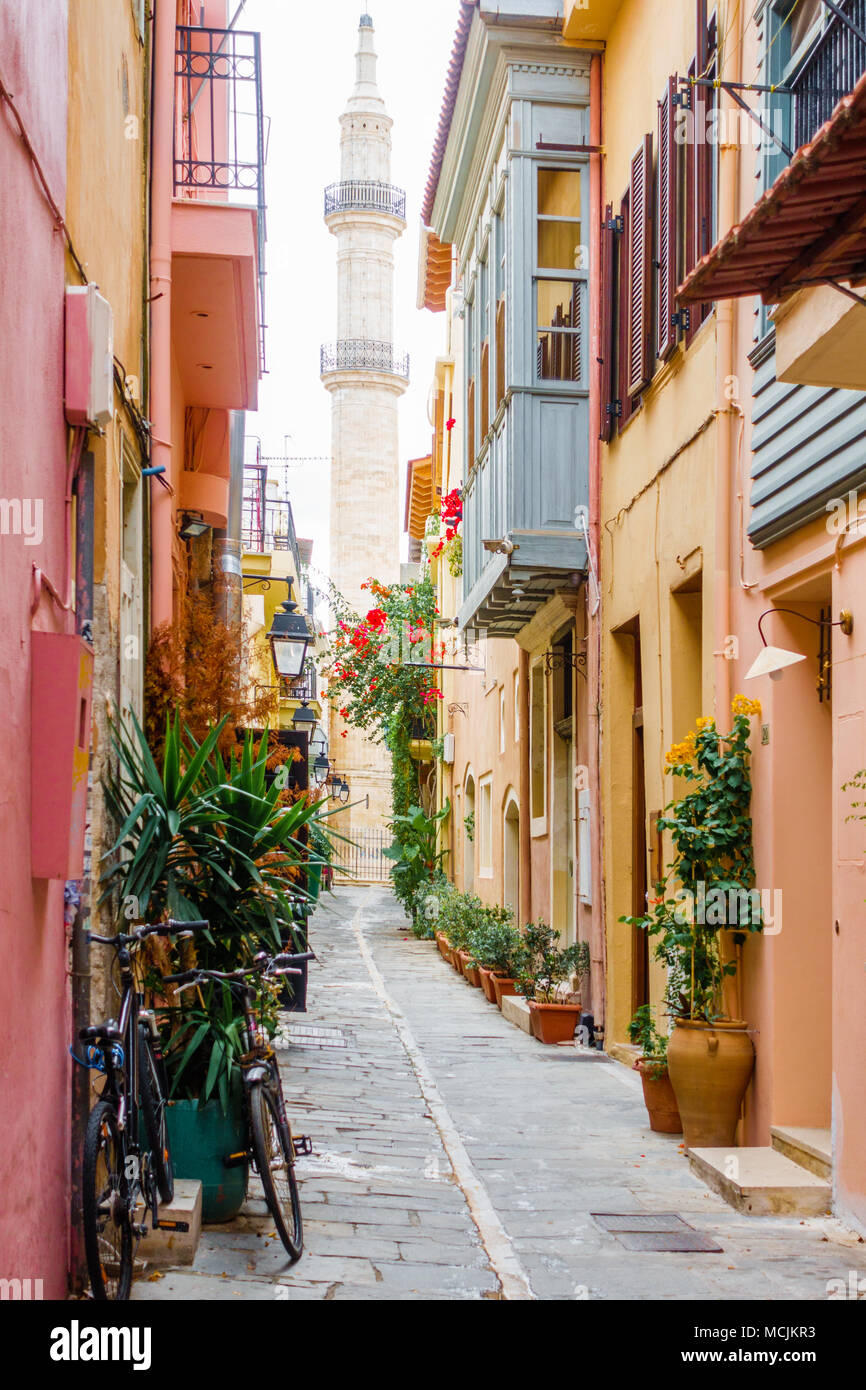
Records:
x=218, y=217
x=363, y=355
x=829, y=73
x=365, y=195
x=267, y=522
x=589, y=19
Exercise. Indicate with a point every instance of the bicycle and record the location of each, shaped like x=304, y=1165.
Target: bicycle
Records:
x=117, y=1171
x=270, y=1146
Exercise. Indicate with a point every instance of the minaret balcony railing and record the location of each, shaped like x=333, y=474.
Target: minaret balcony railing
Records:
x=363, y=355
x=365, y=195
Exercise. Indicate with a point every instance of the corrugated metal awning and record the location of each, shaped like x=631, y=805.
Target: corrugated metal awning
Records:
x=808, y=228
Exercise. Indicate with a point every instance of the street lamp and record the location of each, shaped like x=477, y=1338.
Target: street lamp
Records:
x=344, y=791
x=304, y=719
x=289, y=637
x=321, y=768
x=771, y=661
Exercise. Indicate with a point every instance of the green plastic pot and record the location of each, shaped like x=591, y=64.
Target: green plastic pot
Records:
x=201, y=1138
x=314, y=881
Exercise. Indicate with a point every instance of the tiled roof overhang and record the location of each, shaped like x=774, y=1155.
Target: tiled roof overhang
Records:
x=452, y=84
x=808, y=228
x=419, y=496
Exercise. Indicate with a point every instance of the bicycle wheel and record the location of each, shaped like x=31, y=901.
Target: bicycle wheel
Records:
x=105, y=1214
x=275, y=1160
x=153, y=1096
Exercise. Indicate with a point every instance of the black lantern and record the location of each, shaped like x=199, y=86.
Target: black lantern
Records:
x=336, y=787
x=321, y=768
x=344, y=791
x=304, y=719
x=289, y=638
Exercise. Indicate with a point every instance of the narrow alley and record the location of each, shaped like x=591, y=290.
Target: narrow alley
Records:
x=457, y=1158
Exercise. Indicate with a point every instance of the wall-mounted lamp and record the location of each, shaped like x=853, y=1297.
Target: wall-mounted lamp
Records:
x=321, y=768
x=289, y=637
x=304, y=719
x=771, y=661
x=194, y=525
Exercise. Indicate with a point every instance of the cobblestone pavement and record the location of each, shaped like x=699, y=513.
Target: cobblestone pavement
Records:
x=457, y=1158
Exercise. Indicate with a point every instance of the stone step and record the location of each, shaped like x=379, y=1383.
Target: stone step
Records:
x=761, y=1181
x=161, y=1248
x=810, y=1148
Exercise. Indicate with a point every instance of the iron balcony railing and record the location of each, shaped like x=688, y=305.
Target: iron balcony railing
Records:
x=363, y=354
x=219, y=140
x=365, y=195
x=267, y=523
x=831, y=70
x=305, y=688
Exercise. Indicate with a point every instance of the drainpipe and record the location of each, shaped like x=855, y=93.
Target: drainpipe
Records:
x=598, y=950
x=162, y=193
x=727, y=193
x=227, y=544
x=526, y=808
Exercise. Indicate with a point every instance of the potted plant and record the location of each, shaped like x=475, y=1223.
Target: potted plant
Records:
x=652, y=1067
x=710, y=1054
x=202, y=838
x=545, y=980
x=496, y=951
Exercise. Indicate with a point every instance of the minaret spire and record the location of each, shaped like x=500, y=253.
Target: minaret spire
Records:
x=366, y=88
x=365, y=377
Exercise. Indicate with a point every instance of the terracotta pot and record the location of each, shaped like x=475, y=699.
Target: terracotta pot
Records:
x=710, y=1065
x=487, y=984
x=442, y=943
x=473, y=974
x=465, y=958
x=659, y=1099
x=553, y=1023
x=456, y=962
x=503, y=985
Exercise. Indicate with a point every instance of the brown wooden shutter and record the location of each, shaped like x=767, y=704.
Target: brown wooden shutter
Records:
x=666, y=224
x=625, y=400
x=500, y=351
x=573, y=350
x=639, y=266
x=608, y=324
x=485, y=387
x=470, y=422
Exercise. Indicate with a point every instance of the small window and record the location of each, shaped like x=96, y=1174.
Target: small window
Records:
x=484, y=827
x=559, y=224
x=538, y=742
x=557, y=342
x=516, y=706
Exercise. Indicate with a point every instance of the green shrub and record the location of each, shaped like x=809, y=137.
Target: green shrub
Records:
x=547, y=965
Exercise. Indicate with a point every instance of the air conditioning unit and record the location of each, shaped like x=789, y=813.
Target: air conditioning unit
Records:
x=89, y=379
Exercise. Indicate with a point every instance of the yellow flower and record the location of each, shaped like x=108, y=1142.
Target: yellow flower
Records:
x=705, y=721
x=741, y=704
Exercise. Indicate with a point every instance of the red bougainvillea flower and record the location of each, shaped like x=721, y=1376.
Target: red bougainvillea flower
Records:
x=449, y=424
x=376, y=619
x=343, y=713
x=343, y=734
x=416, y=634
x=434, y=693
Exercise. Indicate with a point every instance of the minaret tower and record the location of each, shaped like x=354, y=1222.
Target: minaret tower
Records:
x=365, y=378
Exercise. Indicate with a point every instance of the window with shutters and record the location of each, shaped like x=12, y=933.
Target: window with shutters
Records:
x=666, y=223
x=500, y=351
x=470, y=422
x=638, y=350
x=625, y=401
x=561, y=263
x=607, y=290
x=484, y=371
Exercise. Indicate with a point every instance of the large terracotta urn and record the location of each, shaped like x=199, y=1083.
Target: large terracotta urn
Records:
x=709, y=1066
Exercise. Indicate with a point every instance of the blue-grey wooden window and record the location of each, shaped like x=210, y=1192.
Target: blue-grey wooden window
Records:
x=560, y=273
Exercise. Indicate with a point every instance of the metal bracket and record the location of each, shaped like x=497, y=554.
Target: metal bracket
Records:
x=615, y=224
x=614, y=408
x=682, y=319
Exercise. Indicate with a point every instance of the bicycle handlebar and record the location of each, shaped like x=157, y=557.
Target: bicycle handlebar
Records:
x=169, y=928
x=263, y=965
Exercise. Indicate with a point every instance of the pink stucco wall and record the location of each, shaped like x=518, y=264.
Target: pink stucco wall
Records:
x=34, y=995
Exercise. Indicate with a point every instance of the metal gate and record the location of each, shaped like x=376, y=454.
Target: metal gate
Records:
x=359, y=858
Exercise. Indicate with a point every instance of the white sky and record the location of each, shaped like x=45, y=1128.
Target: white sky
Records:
x=308, y=68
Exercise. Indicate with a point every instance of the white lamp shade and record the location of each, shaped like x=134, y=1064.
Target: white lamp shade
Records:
x=771, y=661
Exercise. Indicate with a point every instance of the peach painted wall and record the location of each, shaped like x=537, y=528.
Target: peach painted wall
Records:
x=34, y=996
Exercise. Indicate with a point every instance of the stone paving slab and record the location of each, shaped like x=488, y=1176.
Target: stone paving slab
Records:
x=434, y=1085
